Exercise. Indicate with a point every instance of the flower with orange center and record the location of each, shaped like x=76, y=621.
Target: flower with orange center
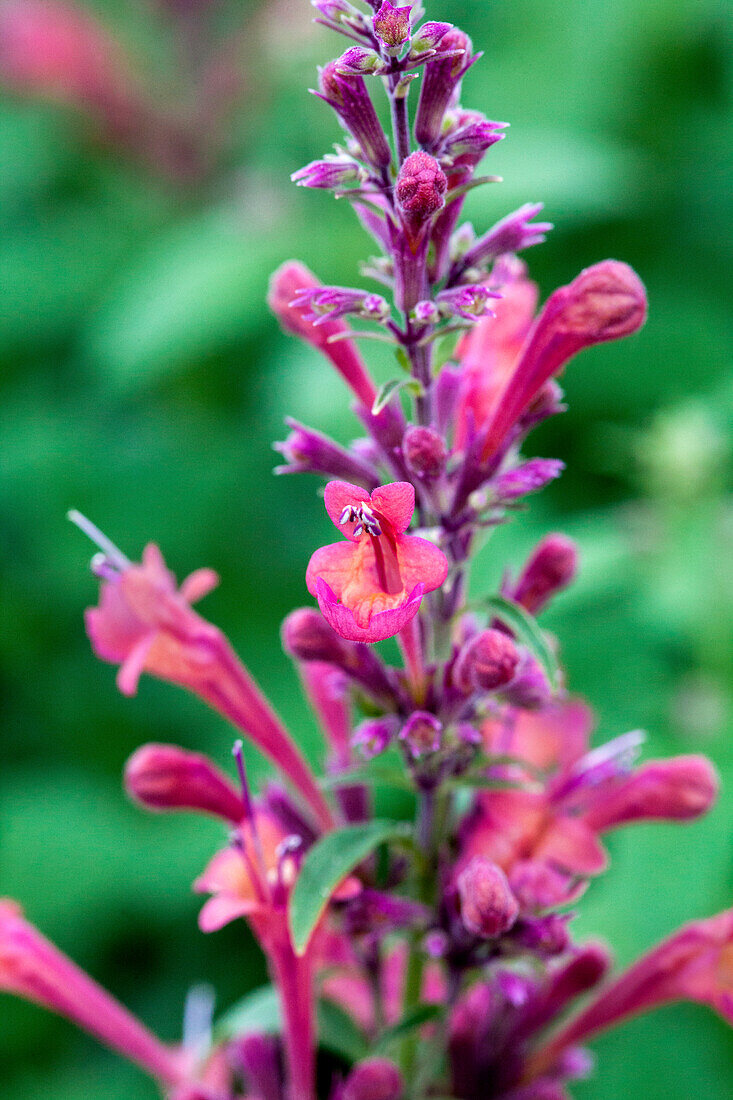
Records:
x=370, y=587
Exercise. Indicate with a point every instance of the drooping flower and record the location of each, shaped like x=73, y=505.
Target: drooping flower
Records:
x=693, y=964
x=31, y=967
x=145, y=623
x=370, y=587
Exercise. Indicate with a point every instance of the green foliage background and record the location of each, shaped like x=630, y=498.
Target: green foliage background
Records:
x=143, y=381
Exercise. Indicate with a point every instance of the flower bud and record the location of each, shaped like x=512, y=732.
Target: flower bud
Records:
x=308, y=451
x=427, y=38
x=421, y=734
x=513, y=233
x=329, y=173
x=392, y=26
x=530, y=689
x=374, y=735
x=530, y=477
x=552, y=567
x=358, y=61
x=166, y=777
x=373, y=1079
x=469, y=302
x=605, y=302
x=440, y=81
x=487, y=662
x=306, y=636
x=425, y=452
x=680, y=789
x=488, y=906
x=350, y=100
x=419, y=192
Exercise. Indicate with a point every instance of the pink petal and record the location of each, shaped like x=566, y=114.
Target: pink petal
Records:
x=198, y=585
x=679, y=789
x=221, y=910
x=339, y=495
x=572, y=845
x=385, y=624
x=333, y=564
x=112, y=628
x=133, y=665
x=396, y=502
x=421, y=562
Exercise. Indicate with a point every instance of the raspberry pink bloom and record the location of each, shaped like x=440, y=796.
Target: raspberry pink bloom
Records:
x=370, y=587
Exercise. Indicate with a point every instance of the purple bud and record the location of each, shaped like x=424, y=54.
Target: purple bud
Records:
x=530, y=477
x=426, y=313
x=349, y=98
x=537, y=885
x=419, y=192
x=329, y=302
x=258, y=1058
x=306, y=636
x=552, y=566
x=472, y=137
x=373, y=1079
x=513, y=233
x=342, y=14
x=546, y=936
x=374, y=735
x=166, y=777
x=487, y=662
x=329, y=173
x=421, y=734
x=427, y=38
x=309, y=451
x=440, y=81
x=392, y=26
x=488, y=906
x=530, y=689
x=359, y=62
x=469, y=302
x=425, y=452
x=447, y=391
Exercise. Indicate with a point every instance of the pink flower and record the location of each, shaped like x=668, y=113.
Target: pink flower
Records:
x=370, y=587
x=290, y=280
x=146, y=624
x=693, y=964
x=31, y=967
x=166, y=777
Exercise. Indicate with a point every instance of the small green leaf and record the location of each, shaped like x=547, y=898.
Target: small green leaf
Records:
x=379, y=774
x=527, y=630
x=387, y=391
x=329, y=861
x=423, y=1014
x=403, y=359
x=338, y=1033
x=257, y=1011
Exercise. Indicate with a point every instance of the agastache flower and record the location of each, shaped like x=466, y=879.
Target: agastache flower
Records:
x=330, y=302
x=31, y=967
x=288, y=281
x=471, y=138
x=693, y=964
x=146, y=624
x=469, y=302
x=512, y=234
x=350, y=100
x=359, y=61
x=308, y=451
x=330, y=173
x=604, y=302
x=166, y=777
x=370, y=587
x=552, y=567
x=440, y=81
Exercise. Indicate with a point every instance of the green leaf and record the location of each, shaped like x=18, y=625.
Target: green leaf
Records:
x=338, y=1033
x=403, y=359
x=387, y=391
x=527, y=630
x=257, y=1011
x=330, y=860
x=380, y=774
x=423, y=1014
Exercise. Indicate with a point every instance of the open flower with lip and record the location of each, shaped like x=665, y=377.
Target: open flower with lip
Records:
x=546, y=834
x=370, y=587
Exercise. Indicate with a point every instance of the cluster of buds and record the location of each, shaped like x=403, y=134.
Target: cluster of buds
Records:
x=451, y=922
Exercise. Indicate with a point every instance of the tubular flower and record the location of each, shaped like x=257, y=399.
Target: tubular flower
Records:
x=370, y=587
x=146, y=624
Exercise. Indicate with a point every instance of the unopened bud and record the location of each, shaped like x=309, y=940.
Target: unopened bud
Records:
x=359, y=62
x=425, y=452
x=488, y=906
x=373, y=736
x=530, y=477
x=552, y=566
x=530, y=689
x=420, y=191
x=166, y=777
x=427, y=38
x=440, y=80
x=679, y=789
x=392, y=26
x=350, y=99
x=487, y=662
x=373, y=1079
x=421, y=734
x=306, y=636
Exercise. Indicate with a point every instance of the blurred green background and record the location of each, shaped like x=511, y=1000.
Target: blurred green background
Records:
x=143, y=381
